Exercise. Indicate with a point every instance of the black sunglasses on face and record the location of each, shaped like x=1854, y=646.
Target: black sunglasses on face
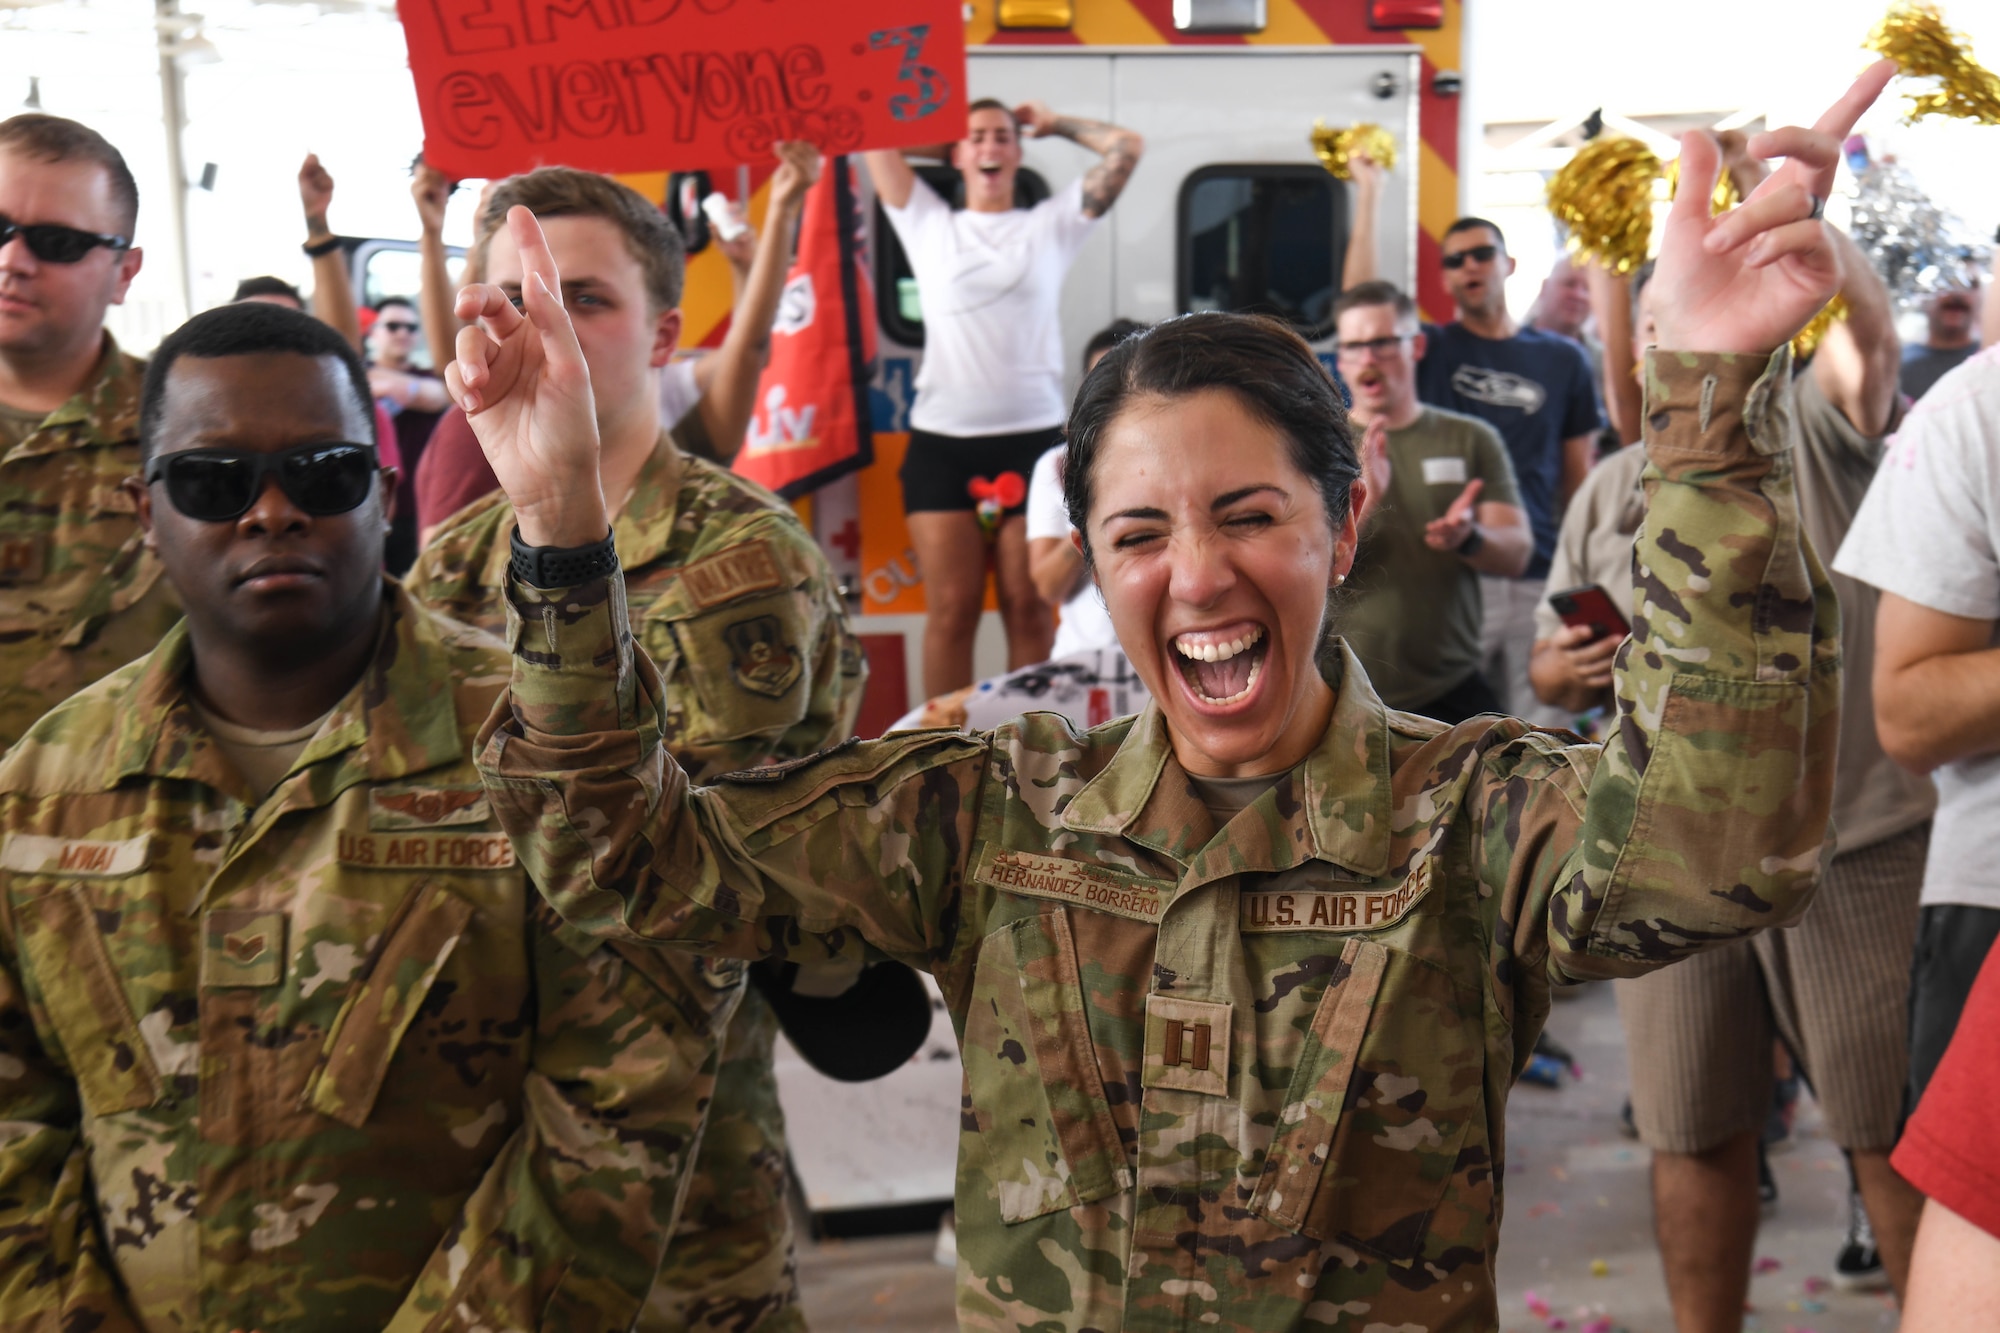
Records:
x=1479, y=254
x=53, y=243
x=396, y=326
x=220, y=485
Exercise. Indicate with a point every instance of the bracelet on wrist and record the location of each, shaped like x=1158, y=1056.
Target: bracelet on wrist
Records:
x=316, y=249
x=561, y=566
x=1474, y=540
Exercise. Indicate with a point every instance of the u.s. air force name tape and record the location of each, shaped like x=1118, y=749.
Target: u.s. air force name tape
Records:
x=425, y=851
x=1268, y=911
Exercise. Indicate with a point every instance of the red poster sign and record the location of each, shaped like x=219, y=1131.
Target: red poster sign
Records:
x=653, y=85
x=812, y=422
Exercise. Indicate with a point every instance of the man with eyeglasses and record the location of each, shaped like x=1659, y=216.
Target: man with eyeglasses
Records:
x=1440, y=511
x=78, y=595
x=1537, y=390
x=287, y=1039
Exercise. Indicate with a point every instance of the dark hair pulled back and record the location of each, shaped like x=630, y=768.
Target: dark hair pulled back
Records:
x=1267, y=366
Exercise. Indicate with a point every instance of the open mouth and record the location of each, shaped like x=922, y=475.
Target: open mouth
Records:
x=991, y=169
x=1369, y=378
x=1222, y=667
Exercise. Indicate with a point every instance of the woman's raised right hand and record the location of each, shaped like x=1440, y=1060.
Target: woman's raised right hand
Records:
x=522, y=380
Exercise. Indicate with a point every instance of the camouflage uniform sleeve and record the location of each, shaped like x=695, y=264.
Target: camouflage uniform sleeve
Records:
x=809, y=860
x=570, y=1223
x=1703, y=820
x=54, y=1272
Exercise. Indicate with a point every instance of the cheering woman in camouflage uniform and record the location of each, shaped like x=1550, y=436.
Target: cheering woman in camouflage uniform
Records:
x=1240, y=983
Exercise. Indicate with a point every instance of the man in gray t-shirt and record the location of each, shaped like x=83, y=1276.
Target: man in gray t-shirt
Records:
x=1833, y=987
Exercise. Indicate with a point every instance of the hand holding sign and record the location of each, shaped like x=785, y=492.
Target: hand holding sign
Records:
x=521, y=378
x=632, y=85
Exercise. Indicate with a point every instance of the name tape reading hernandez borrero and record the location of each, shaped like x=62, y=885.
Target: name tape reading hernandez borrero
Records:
x=661, y=85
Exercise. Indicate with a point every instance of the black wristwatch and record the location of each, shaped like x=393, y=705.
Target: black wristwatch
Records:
x=561, y=566
x=1474, y=540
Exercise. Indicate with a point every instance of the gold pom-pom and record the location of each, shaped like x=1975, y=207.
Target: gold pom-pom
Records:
x=1604, y=197
x=1334, y=147
x=1807, y=339
x=1914, y=35
x=1726, y=196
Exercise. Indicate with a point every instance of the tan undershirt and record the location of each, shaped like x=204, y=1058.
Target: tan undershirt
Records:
x=262, y=757
x=17, y=424
x=1226, y=797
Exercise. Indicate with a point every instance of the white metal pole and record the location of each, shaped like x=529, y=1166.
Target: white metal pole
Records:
x=172, y=95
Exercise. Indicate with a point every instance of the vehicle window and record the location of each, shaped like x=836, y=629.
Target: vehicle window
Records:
x=896, y=304
x=1265, y=240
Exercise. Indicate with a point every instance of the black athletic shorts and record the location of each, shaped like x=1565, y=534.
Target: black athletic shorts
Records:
x=940, y=471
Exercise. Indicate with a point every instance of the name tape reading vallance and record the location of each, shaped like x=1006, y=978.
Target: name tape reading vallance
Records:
x=658, y=85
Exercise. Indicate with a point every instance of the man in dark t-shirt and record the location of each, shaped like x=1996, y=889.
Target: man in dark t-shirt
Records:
x=1537, y=390
x=1951, y=335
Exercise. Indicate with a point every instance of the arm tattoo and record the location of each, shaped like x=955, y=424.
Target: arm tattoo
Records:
x=1106, y=180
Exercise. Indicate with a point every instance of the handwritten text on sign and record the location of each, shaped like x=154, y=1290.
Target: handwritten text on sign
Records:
x=648, y=85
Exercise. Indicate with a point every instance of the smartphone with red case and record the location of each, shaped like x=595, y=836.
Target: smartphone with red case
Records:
x=1590, y=606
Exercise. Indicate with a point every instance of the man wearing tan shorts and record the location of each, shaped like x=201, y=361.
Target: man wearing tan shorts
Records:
x=1834, y=988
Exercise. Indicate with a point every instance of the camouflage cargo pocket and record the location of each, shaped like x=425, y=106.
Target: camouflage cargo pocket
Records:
x=1038, y=1106
x=749, y=663
x=80, y=990
x=1387, y=1086
x=384, y=1001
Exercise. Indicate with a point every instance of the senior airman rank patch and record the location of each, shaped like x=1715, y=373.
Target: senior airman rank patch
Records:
x=1271, y=910
x=759, y=658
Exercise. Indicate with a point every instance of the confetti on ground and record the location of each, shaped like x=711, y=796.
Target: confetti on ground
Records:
x=1815, y=1285
x=1546, y=1208
x=1560, y=1173
x=1601, y=1324
x=1767, y=1264
x=1598, y=1268
x=1813, y=1307
x=1537, y=1307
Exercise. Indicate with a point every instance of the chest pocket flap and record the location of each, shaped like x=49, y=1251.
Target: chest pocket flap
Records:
x=86, y=1003
x=1038, y=1104
x=384, y=1002
x=1386, y=1090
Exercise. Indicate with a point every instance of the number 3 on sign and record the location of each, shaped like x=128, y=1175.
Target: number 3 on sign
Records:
x=931, y=86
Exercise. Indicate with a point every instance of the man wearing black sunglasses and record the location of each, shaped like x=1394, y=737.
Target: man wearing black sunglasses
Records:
x=1538, y=391
x=78, y=596
x=287, y=1039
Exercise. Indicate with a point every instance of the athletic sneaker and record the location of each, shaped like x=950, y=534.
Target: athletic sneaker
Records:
x=1859, y=1267
x=1767, y=1184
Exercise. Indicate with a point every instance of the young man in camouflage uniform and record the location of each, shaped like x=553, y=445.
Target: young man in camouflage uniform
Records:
x=287, y=1041
x=732, y=597
x=78, y=594
x=1229, y=1065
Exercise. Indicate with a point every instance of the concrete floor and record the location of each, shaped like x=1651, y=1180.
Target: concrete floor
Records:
x=1576, y=1195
